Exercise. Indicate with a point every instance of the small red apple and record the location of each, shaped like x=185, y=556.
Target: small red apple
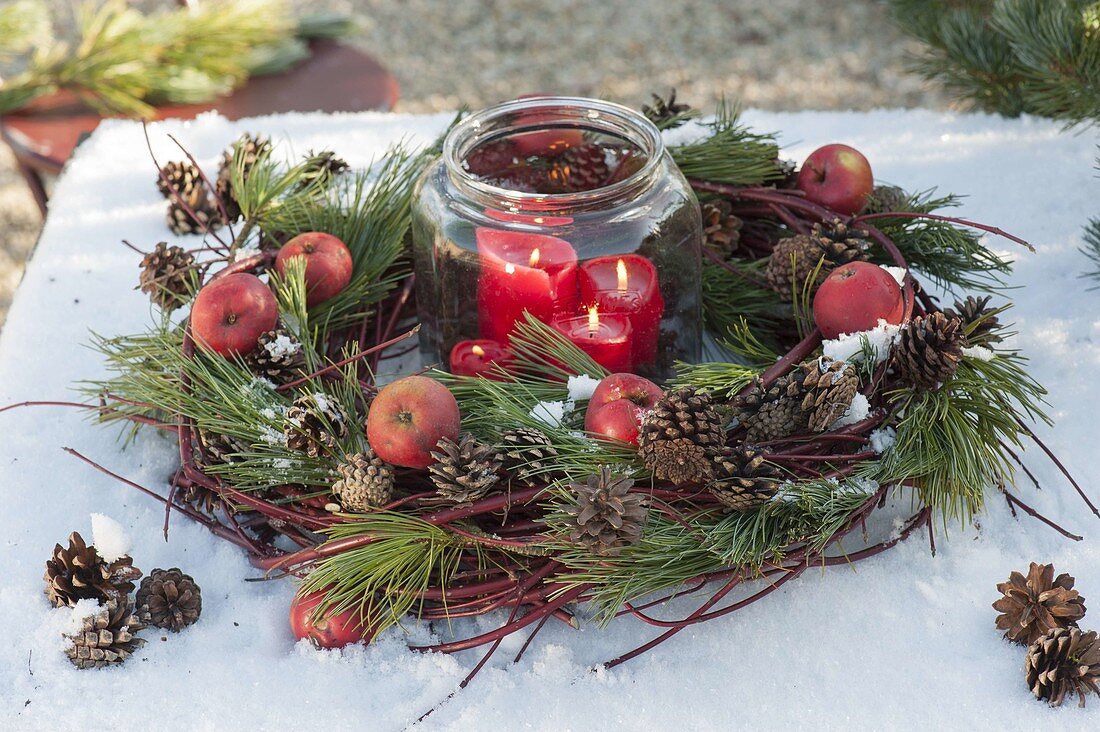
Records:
x=330, y=630
x=854, y=297
x=408, y=418
x=617, y=405
x=547, y=143
x=328, y=264
x=231, y=313
x=837, y=177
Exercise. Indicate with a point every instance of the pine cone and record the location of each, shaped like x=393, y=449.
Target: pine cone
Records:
x=314, y=424
x=929, y=350
x=884, y=199
x=678, y=437
x=491, y=159
x=828, y=387
x=278, y=356
x=980, y=324
x=721, y=229
x=252, y=148
x=606, y=516
x=666, y=114
x=168, y=599
x=106, y=637
x=324, y=164
x=365, y=483
x=167, y=276
x=528, y=454
x=840, y=243
x=207, y=216
x=79, y=573
x=1064, y=661
x=1032, y=606
x=465, y=471
x=743, y=477
x=220, y=449
x=773, y=412
x=581, y=168
x=792, y=263
x=178, y=176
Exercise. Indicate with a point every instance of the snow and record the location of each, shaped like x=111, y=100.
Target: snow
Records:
x=980, y=353
x=282, y=346
x=856, y=412
x=883, y=439
x=898, y=273
x=581, y=387
x=552, y=414
x=109, y=538
x=850, y=346
x=899, y=641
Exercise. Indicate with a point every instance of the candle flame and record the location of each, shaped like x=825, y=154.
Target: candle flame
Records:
x=509, y=268
x=620, y=270
x=593, y=320
x=478, y=351
x=534, y=260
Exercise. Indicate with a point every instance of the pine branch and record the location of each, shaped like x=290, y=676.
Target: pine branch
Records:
x=730, y=153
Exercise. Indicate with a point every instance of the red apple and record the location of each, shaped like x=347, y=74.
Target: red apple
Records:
x=408, y=418
x=231, y=313
x=330, y=630
x=547, y=143
x=837, y=177
x=617, y=405
x=854, y=297
x=328, y=264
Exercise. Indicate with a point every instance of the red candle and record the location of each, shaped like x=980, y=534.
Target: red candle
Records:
x=480, y=358
x=521, y=271
x=627, y=285
x=604, y=337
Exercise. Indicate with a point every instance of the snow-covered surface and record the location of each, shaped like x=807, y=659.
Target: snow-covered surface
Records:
x=903, y=640
x=850, y=346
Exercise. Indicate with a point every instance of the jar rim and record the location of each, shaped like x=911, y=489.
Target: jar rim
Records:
x=464, y=137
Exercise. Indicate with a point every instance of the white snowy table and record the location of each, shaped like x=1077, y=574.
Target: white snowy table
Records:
x=903, y=640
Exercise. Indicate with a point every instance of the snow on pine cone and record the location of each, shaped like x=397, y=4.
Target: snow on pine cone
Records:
x=1063, y=662
x=106, y=636
x=929, y=349
x=679, y=435
x=743, y=477
x=78, y=572
x=248, y=148
x=465, y=471
x=605, y=515
x=828, y=387
x=169, y=599
x=365, y=483
x=1030, y=606
x=314, y=423
x=168, y=276
x=277, y=356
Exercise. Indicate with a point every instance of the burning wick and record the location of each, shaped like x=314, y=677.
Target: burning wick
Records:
x=478, y=351
x=620, y=270
x=593, y=321
x=534, y=260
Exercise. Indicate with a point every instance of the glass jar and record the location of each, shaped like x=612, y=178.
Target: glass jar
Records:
x=571, y=210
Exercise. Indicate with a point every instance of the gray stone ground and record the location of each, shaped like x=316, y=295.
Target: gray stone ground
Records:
x=773, y=54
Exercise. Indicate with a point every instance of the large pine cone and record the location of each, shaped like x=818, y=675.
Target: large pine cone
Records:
x=106, y=637
x=79, y=573
x=465, y=471
x=828, y=387
x=314, y=424
x=277, y=356
x=251, y=147
x=528, y=454
x=678, y=438
x=773, y=412
x=606, y=516
x=1040, y=602
x=980, y=323
x=581, y=168
x=168, y=275
x=365, y=483
x=929, y=350
x=743, y=477
x=721, y=229
x=168, y=599
x=1064, y=661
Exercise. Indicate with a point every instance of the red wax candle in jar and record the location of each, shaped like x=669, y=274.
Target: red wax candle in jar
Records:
x=521, y=271
x=479, y=358
x=604, y=337
x=627, y=285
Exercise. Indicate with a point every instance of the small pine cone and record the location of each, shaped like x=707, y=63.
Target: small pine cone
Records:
x=929, y=349
x=829, y=387
x=679, y=435
x=106, y=637
x=884, y=199
x=251, y=147
x=771, y=413
x=840, y=243
x=178, y=176
x=606, y=516
x=721, y=229
x=1064, y=661
x=168, y=599
x=167, y=276
x=1040, y=602
x=528, y=454
x=466, y=470
x=80, y=573
x=743, y=477
x=206, y=216
x=980, y=324
x=220, y=449
x=666, y=114
x=365, y=483
x=581, y=168
x=314, y=424
x=278, y=356
x=792, y=263
x=491, y=159
x=324, y=164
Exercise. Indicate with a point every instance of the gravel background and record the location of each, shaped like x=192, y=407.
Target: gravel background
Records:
x=772, y=54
